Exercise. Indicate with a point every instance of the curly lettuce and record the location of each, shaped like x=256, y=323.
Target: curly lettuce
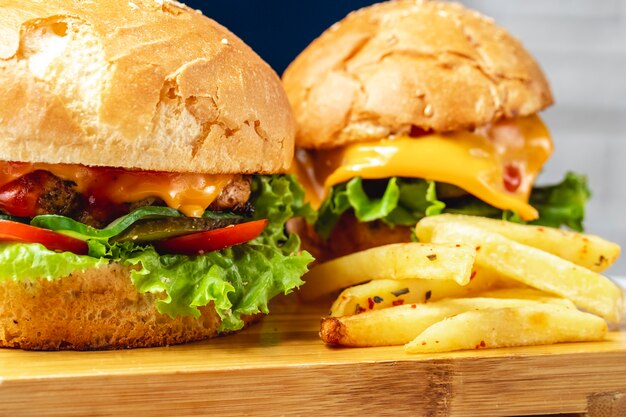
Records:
x=562, y=204
x=239, y=280
x=397, y=202
x=29, y=261
x=404, y=201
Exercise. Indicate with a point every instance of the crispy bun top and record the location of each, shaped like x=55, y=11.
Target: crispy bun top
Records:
x=434, y=65
x=146, y=84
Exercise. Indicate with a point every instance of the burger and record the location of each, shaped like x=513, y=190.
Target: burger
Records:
x=408, y=109
x=141, y=187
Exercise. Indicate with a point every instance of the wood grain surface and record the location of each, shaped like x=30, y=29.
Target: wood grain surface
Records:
x=280, y=367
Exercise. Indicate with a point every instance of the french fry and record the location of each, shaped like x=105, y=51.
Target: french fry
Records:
x=526, y=293
x=537, y=324
x=396, y=261
x=536, y=268
x=402, y=324
x=589, y=251
x=384, y=293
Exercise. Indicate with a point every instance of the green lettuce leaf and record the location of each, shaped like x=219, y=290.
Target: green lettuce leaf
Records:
x=562, y=204
x=397, y=201
x=28, y=261
x=403, y=202
x=278, y=199
x=239, y=280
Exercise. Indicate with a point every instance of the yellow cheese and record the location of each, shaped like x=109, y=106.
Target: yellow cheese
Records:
x=497, y=164
x=189, y=193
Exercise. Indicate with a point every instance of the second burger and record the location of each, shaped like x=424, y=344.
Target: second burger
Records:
x=408, y=109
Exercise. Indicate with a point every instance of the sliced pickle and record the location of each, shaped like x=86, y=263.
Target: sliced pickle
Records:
x=150, y=230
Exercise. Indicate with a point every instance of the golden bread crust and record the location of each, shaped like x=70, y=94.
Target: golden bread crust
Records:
x=386, y=68
x=96, y=309
x=101, y=83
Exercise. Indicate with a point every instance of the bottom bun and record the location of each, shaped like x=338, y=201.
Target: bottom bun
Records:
x=96, y=309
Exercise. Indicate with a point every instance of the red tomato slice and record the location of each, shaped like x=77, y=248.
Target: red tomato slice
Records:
x=23, y=233
x=202, y=242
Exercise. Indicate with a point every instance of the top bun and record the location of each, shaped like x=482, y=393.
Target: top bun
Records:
x=433, y=65
x=145, y=84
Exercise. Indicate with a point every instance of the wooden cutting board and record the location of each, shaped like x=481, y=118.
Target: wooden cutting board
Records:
x=280, y=367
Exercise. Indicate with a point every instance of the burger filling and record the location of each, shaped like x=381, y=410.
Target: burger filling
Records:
x=96, y=195
x=41, y=192
x=194, y=239
x=488, y=172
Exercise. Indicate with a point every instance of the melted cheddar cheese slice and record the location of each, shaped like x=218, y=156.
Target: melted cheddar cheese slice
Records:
x=189, y=193
x=497, y=164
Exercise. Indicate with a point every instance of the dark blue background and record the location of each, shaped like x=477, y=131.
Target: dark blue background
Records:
x=277, y=29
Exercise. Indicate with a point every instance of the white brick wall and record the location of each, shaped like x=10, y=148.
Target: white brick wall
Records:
x=581, y=45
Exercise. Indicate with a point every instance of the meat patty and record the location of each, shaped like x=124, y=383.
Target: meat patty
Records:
x=234, y=196
x=41, y=192
x=351, y=235
x=57, y=196
x=348, y=236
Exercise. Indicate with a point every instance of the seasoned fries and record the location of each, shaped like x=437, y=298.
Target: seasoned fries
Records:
x=397, y=261
x=591, y=252
x=400, y=325
x=385, y=293
x=537, y=269
x=536, y=324
x=492, y=284
x=525, y=293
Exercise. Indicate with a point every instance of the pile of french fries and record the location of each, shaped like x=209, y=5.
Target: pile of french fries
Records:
x=470, y=283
